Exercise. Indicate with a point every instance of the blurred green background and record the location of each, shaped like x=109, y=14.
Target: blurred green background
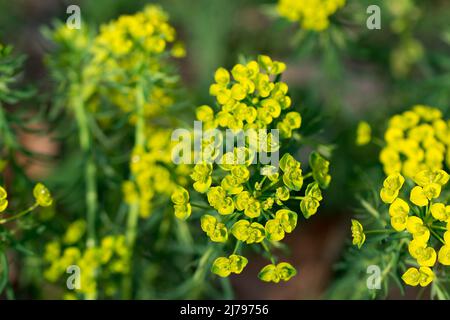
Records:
x=345, y=74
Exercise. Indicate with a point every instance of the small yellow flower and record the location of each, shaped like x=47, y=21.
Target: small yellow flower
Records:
x=399, y=222
x=358, y=233
x=282, y=194
x=226, y=206
x=363, y=133
x=391, y=187
x=447, y=234
x=237, y=263
x=75, y=231
x=52, y=251
x=293, y=178
x=415, y=246
x=215, y=230
x=231, y=184
x=204, y=113
x=3, y=200
x=398, y=208
x=444, y=254
x=178, y=50
x=183, y=211
x=42, y=195
x=287, y=219
x=202, y=177
x=180, y=196
x=394, y=181
x=415, y=226
x=222, y=76
x=274, y=273
x=215, y=196
x=388, y=195
x=320, y=169
x=242, y=200
x=248, y=232
x=418, y=196
x=426, y=257
x=426, y=177
x=274, y=230
x=311, y=202
x=223, y=266
x=440, y=212
x=422, y=276
x=253, y=209
x=398, y=211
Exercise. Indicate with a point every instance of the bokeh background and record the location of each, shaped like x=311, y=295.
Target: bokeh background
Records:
x=346, y=74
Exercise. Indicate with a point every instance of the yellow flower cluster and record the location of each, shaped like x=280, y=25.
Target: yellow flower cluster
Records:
x=110, y=258
x=417, y=139
x=249, y=98
x=358, y=234
x=425, y=217
x=244, y=201
x=312, y=14
x=150, y=169
x=133, y=44
x=133, y=36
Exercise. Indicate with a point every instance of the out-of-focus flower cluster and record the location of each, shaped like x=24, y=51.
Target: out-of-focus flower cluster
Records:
x=312, y=14
x=426, y=217
x=244, y=201
x=151, y=169
x=108, y=260
x=416, y=140
x=133, y=44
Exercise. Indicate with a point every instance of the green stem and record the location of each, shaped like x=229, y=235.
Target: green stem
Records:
x=266, y=248
x=199, y=274
x=381, y=231
x=196, y=205
x=270, y=186
x=20, y=214
x=437, y=236
x=306, y=176
x=133, y=213
x=90, y=171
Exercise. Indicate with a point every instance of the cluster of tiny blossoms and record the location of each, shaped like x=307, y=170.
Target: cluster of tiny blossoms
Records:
x=426, y=217
x=128, y=45
x=312, y=14
x=415, y=189
x=416, y=140
x=109, y=259
x=151, y=169
x=244, y=201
